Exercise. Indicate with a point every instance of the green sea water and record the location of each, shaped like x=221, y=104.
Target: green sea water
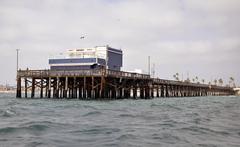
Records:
x=166, y=122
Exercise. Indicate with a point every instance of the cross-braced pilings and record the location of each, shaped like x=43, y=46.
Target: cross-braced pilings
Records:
x=106, y=84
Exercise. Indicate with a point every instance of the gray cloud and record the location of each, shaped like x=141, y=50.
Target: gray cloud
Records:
x=199, y=37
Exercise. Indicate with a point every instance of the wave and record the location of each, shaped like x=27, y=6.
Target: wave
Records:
x=7, y=113
x=32, y=128
x=127, y=115
x=95, y=130
x=92, y=113
x=89, y=106
x=203, y=130
x=126, y=137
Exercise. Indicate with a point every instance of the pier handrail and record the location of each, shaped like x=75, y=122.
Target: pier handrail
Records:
x=93, y=72
x=55, y=73
x=172, y=82
x=127, y=74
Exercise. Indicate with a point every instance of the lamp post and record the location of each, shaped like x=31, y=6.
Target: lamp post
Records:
x=149, y=65
x=17, y=57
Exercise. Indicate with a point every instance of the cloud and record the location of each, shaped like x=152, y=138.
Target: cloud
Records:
x=201, y=37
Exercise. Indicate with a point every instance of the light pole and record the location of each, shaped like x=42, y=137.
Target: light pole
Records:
x=149, y=65
x=17, y=57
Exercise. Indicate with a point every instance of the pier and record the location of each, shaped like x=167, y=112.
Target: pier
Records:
x=106, y=84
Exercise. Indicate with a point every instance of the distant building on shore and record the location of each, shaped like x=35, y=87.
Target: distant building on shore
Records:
x=6, y=88
x=237, y=91
x=89, y=58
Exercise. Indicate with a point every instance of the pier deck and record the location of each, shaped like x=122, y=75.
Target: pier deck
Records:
x=107, y=84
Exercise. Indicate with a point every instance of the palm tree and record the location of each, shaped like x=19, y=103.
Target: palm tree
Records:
x=187, y=80
x=215, y=81
x=193, y=80
x=220, y=81
x=176, y=76
x=196, y=78
x=234, y=85
x=231, y=81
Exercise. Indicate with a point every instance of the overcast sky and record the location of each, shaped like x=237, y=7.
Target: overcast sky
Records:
x=199, y=37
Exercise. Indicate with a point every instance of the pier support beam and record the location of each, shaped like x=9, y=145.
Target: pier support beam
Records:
x=46, y=88
x=120, y=93
x=103, y=88
x=57, y=88
x=19, y=90
x=49, y=87
x=167, y=91
x=157, y=91
x=65, y=87
x=26, y=87
x=162, y=91
x=152, y=92
x=147, y=92
x=74, y=88
x=80, y=90
x=134, y=92
x=92, y=89
x=33, y=88
x=84, y=87
x=41, y=88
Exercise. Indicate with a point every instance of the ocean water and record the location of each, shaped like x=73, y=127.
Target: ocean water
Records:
x=167, y=122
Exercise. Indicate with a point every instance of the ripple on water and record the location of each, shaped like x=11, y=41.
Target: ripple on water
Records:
x=127, y=115
x=34, y=128
x=126, y=137
x=21, y=129
x=166, y=138
x=96, y=130
x=92, y=113
x=153, y=105
x=89, y=107
x=170, y=107
x=7, y=113
x=35, y=144
x=203, y=130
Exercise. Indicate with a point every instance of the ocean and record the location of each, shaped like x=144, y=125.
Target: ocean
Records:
x=166, y=122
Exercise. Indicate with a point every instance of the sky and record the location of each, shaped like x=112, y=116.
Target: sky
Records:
x=190, y=37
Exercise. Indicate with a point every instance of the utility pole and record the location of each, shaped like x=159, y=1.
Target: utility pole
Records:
x=149, y=66
x=17, y=57
x=153, y=70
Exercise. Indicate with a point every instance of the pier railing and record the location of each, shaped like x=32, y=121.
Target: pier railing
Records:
x=127, y=74
x=172, y=82
x=69, y=73
x=58, y=73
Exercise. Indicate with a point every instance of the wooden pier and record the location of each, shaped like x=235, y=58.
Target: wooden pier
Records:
x=106, y=84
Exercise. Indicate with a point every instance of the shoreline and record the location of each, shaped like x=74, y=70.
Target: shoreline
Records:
x=7, y=91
